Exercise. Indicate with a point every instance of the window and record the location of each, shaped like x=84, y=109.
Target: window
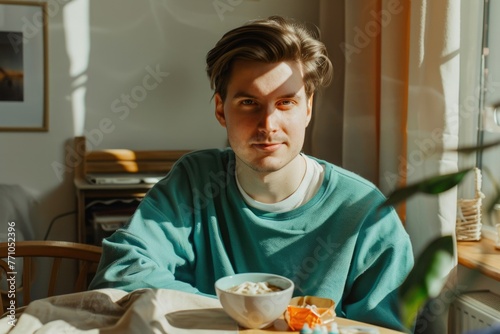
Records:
x=490, y=118
x=479, y=92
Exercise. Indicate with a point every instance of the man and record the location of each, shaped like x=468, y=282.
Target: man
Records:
x=262, y=205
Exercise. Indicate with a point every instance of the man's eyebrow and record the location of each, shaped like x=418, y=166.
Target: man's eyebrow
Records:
x=290, y=95
x=250, y=96
x=243, y=94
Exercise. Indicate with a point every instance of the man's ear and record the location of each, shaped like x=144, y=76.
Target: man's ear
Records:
x=309, y=108
x=219, y=109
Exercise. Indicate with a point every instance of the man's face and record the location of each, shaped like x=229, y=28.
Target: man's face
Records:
x=266, y=112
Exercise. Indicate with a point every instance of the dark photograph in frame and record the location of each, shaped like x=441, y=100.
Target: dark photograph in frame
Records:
x=23, y=66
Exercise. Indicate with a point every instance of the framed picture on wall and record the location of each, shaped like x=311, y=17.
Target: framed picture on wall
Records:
x=23, y=66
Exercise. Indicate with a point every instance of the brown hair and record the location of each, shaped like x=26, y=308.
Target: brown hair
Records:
x=270, y=40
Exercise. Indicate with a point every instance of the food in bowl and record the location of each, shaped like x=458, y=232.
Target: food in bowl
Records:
x=254, y=288
x=254, y=310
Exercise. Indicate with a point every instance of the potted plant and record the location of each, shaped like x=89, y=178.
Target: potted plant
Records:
x=425, y=281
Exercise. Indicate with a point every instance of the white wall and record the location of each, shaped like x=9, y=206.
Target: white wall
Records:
x=101, y=49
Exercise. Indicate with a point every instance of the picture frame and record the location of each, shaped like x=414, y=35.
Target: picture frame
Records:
x=23, y=66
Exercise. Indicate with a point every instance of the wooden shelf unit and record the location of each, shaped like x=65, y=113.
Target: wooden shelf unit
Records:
x=114, y=161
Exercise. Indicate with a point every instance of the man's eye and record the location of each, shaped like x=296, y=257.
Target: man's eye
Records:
x=287, y=103
x=247, y=102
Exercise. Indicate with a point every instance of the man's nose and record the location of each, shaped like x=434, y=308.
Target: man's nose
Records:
x=269, y=119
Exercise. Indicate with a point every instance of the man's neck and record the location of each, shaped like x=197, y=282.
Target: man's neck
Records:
x=271, y=187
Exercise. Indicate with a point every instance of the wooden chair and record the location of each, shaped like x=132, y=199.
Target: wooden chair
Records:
x=88, y=257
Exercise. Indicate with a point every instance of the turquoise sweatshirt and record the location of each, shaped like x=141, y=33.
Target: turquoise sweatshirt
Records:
x=194, y=227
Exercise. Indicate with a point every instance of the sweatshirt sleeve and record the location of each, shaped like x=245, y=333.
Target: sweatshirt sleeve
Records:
x=384, y=257
x=153, y=250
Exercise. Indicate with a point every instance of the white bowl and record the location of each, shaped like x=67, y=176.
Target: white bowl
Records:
x=254, y=311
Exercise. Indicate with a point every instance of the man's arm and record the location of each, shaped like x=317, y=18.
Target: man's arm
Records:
x=384, y=259
x=155, y=249
x=129, y=263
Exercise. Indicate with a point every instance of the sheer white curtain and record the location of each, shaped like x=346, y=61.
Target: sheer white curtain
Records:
x=391, y=113
x=433, y=113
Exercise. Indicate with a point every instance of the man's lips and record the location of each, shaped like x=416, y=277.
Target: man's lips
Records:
x=268, y=147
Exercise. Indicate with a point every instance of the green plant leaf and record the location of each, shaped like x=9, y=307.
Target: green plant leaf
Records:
x=473, y=149
x=426, y=279
x=433, y=185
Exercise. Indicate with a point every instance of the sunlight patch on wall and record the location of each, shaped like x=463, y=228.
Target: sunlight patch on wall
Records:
x=77, y=29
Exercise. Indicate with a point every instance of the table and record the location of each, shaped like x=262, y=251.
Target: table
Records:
x=340, y=321
x=481, y=255
x=142, y=311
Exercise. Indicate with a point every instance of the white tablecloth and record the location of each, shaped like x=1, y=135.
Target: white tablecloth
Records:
x=115, y=311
